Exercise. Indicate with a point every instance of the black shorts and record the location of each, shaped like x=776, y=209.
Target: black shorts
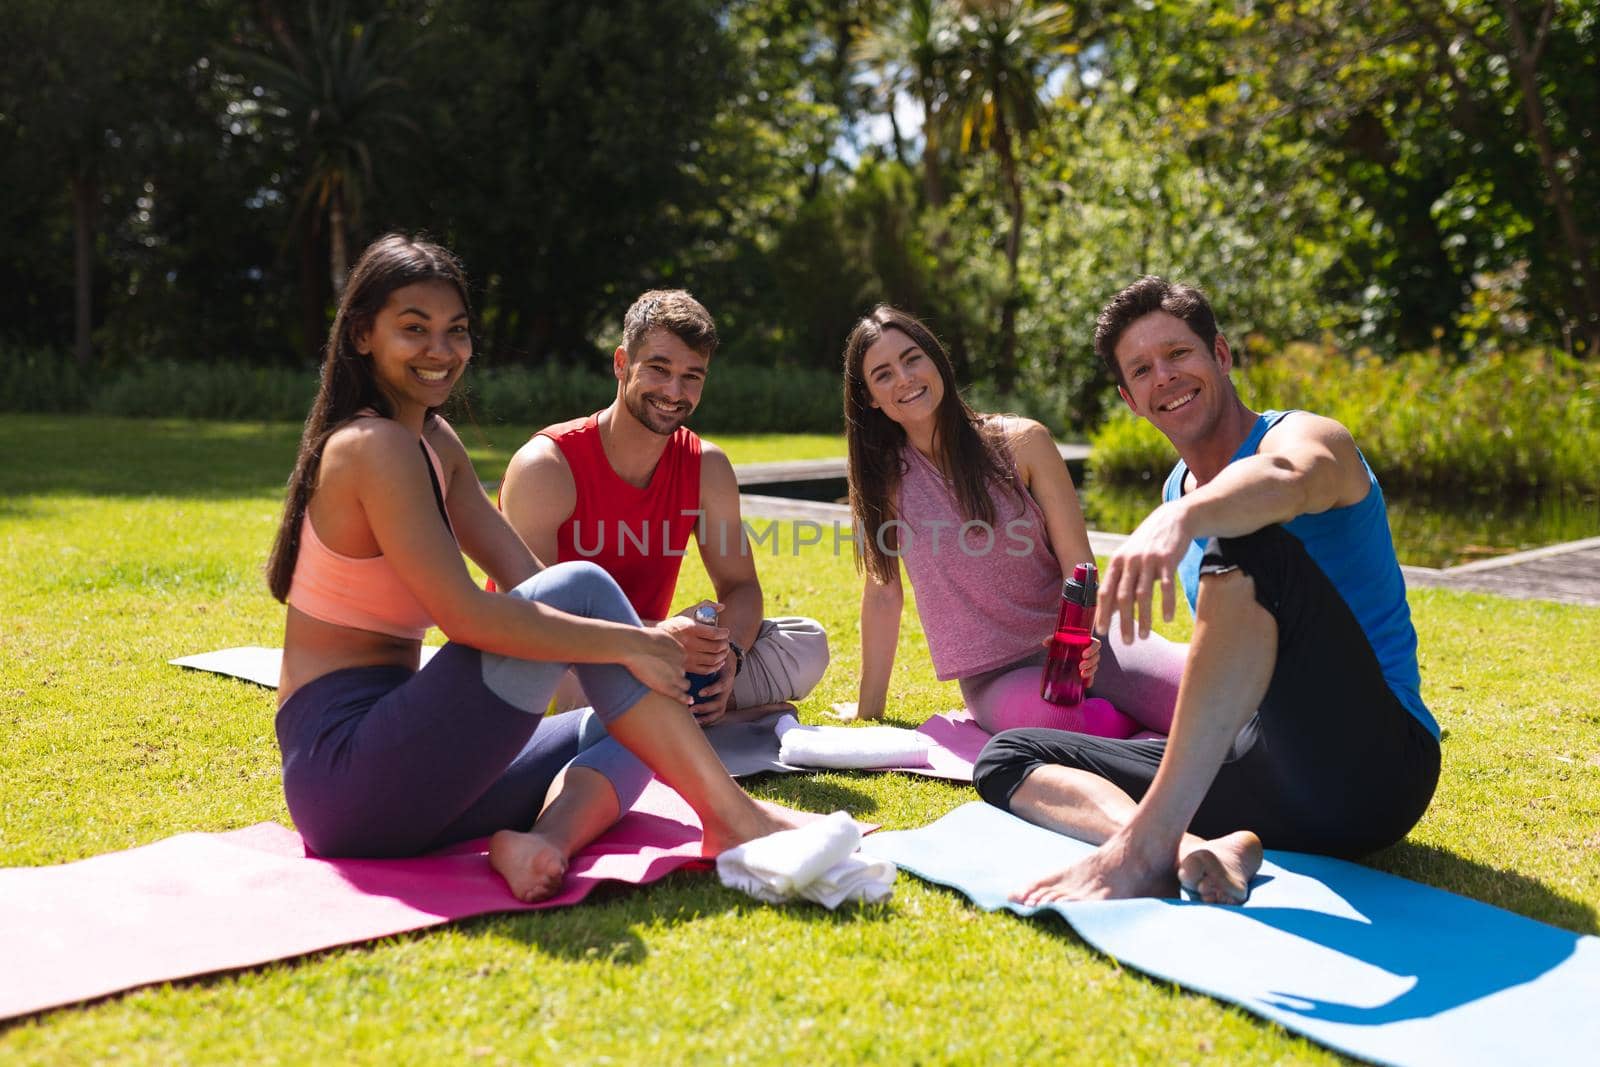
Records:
x=1331, y=762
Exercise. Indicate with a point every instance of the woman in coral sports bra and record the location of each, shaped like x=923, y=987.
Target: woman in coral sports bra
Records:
x=383, y=759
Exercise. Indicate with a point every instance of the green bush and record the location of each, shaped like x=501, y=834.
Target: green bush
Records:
x=1128, y=449
x=42, y=382
x=739, y=398
x=1526, y=421
x=207, y=391
x=533, y=395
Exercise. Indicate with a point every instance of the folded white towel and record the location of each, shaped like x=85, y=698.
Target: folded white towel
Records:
x=850, y=747
x=814, y=861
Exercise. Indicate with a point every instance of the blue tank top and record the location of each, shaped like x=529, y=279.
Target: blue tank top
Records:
x=1353, y=547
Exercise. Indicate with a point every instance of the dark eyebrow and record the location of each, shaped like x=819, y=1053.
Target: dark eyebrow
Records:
x=457, y=317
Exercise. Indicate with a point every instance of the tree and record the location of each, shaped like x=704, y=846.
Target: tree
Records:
x=911, y=52
x=1438, y=111
x=1005, y=52
x=77, y=84
x=333, y=91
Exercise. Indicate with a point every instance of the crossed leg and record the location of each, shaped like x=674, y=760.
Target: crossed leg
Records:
x=1144, y=847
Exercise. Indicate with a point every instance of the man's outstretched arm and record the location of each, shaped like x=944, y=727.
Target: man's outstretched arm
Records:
x=1307, y=464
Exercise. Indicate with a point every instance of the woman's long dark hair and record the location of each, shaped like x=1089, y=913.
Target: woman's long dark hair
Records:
x=348, y=385
x=969, y=448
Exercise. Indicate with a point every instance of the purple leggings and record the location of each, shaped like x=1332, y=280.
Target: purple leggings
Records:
x=1135, y=688
x=383, y=761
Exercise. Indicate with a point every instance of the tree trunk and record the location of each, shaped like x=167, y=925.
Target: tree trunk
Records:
x=894, y=131
x=85, y=198
x=312, y=319
x=1525, y=62
x=932, y=179
x=338, y=250
x=1006, y=364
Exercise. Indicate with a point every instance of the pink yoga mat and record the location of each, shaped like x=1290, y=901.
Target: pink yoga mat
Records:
x=957, y=741
x=201, y=903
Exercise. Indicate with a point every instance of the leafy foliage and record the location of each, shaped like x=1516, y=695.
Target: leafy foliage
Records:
x=1508, y=422
x=1400, y=177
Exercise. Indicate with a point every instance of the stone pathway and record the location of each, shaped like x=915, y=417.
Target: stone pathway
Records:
x=1568, y=573
x=815, y=470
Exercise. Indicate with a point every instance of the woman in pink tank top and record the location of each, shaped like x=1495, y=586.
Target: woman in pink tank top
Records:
x=981, y=513
x=381, y=758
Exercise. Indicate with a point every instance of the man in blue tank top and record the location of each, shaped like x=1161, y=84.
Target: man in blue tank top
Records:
x=1299, y=721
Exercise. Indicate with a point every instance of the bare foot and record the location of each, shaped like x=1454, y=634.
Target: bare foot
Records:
x=849, y=711
x=530, y=864
x=1110, y=872
x=1219, y=871
x=759, y=821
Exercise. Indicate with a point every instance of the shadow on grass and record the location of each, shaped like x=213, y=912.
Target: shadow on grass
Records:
x=606, y=926
x=810, y=793
x=145, y=457
x=1503, y=888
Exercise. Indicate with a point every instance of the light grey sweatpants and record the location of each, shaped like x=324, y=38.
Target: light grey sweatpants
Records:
x=784, y=663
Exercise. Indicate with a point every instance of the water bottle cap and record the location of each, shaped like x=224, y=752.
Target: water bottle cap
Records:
x=705, y=614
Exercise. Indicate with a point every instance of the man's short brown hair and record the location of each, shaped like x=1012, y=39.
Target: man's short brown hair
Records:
x=1146, y=296
x=675, y=311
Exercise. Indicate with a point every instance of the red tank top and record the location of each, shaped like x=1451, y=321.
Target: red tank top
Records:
x=638, y=536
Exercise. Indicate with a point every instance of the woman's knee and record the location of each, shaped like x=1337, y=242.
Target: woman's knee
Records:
x=579, y=587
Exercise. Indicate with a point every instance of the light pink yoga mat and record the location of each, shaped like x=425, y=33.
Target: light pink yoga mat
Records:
x=957, y=740
x=201, y=903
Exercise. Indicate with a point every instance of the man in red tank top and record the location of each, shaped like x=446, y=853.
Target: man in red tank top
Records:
x=626, y=487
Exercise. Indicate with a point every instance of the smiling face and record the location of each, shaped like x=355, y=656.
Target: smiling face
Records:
x=419, y=344
x=661, y=383
x=902, y=380
x=1172, y=378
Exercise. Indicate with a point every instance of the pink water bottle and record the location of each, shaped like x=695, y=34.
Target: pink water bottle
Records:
x=1062, y=683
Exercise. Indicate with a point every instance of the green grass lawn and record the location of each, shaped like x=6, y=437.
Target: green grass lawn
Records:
x=123, y=544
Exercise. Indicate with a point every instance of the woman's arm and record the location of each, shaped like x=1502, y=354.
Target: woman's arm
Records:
x=378, y=462
x=882, y=604
x=1044, y=472
x=484, y=534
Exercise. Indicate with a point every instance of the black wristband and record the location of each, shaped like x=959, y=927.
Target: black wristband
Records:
x=738, y=658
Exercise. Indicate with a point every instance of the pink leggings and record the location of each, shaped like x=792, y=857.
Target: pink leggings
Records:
x=1135, y=689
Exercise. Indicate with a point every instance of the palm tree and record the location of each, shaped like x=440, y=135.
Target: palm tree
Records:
x=1006, y=50
x=333, y=95
x=912, y=52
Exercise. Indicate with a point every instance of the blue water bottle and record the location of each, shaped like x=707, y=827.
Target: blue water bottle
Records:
x=706, y=614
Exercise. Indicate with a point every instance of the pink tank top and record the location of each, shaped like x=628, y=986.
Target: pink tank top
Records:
x=362, y=592
x=986, y=597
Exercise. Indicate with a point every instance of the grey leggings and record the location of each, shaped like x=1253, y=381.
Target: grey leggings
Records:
x=382, y=761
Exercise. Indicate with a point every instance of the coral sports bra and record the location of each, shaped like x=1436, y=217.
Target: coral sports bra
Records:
x=361, y=592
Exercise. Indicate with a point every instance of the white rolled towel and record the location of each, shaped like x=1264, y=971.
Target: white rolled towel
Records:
x=850, y=747
x=815, y=861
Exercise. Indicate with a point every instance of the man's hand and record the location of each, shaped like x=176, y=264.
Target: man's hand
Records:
x=717, y=694
x=1148, y=558
x=705, y=648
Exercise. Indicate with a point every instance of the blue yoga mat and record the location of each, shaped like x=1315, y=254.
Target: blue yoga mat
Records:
x=1360, y=961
